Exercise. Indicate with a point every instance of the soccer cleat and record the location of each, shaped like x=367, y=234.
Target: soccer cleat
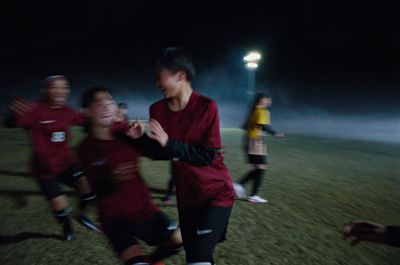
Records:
x=68, y=236
x=240, y=191
x=256, y=199
x=86, y=222
x=68, y=232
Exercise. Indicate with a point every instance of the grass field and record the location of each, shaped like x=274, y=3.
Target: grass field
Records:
x=314, y=186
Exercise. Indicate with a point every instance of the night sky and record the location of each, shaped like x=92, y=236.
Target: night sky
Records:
x=339, y=56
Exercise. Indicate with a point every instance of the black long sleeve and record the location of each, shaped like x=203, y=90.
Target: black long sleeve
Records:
x=148, y=147
x=269, y=129
x=393, y=235
x=195, y=155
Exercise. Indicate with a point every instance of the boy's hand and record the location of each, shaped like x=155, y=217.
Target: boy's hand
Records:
x=365, y=231
x=21, y=106
x=157, y=133
x=136, y=130
x=280, y=135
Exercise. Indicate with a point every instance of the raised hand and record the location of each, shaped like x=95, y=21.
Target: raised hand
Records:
x=21, y=106
x=136, y=130
x=157, y=132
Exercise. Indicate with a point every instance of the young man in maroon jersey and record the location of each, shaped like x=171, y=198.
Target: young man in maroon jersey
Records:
x=125, y=208
x=186, y=124
x=48, y=122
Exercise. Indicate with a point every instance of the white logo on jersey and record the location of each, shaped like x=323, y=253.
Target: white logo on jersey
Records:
x=203, y=232
x=49, y=121
x=57, y=137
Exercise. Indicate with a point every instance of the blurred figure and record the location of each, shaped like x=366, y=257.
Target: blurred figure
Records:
x=122, y=114
x=48, y=121
x=257, y=124
x=372, y=232
x=126, y=211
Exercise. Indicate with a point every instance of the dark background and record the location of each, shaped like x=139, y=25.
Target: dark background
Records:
x=332, y=57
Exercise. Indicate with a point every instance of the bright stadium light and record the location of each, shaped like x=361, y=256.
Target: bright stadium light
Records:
x=252, y=57
x=251, y=65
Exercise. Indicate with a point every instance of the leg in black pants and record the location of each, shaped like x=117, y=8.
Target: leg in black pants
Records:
x=248, y=176
x=257, y=177
x=202, y=229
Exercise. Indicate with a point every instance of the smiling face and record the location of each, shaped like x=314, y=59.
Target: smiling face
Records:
x=169, y=82
x=57, y=91
x=102, y=110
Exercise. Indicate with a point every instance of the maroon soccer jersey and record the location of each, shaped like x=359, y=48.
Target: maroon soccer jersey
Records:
x=126, y=198
x=198, y=125
x=49, y=130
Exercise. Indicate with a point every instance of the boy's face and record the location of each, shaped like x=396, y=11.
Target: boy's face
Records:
x=57, y=91
x=123, y=110
x=170, y=83
x=102, y=111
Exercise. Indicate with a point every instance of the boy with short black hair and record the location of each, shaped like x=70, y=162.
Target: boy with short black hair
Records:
x=186, y=125
x=126, y=210
x=49, y=121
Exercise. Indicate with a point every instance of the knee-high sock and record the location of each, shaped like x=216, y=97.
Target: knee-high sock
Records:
x=250, y=175
x=258, y=176
x=62, y=217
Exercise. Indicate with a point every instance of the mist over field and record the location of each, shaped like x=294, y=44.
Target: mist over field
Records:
x=289, y=115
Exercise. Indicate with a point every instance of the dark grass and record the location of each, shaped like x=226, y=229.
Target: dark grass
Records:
x=314, y=185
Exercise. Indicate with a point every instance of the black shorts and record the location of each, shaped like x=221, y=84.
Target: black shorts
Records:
x=202, y=229
x=51, y=187
x=155, y=231
x=257, y=159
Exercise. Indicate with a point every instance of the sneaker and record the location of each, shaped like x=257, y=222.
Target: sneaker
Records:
x=68, y=231
x=257, y=199
x=68, y=235
x=240, y=191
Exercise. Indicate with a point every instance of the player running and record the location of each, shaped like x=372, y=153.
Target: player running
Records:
x=48, y=121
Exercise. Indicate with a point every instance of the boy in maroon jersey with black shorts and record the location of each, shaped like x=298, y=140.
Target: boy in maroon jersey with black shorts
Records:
x=126, y=211
x=48, y=122
x=186, y=125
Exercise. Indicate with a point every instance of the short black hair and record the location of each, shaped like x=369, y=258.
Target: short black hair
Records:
x=46, y=82
x=90, y=93
x=175, y=59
